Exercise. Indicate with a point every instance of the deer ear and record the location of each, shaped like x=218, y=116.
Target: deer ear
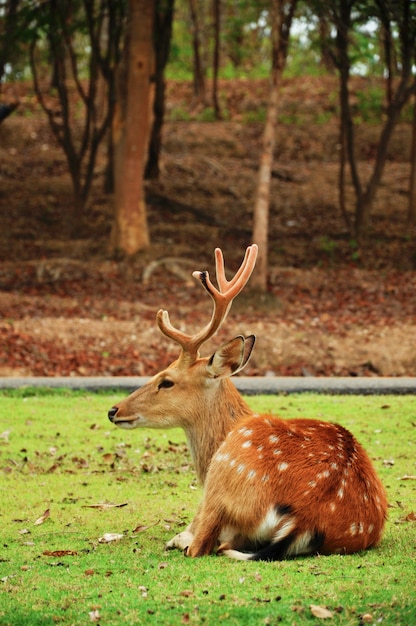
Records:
x=231, y=357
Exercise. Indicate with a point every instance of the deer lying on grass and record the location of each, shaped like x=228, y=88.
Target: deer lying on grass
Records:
x=273, y=488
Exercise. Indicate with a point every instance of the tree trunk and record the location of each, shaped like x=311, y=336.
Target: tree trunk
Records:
x=281, y=19
x=131, y=130
x=366, y=199
x=411, y=215
x=199, y=72
x=262, y=205
x=216, y=58
x=162, y=38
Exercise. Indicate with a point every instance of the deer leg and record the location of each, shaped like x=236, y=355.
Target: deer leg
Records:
x=206, y=534
x=183, y=540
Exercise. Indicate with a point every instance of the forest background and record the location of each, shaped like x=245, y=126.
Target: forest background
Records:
x=136, y=137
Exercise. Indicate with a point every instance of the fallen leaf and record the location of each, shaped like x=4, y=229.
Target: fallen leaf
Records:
x=104, y=506
x=42, y=518
x=411, y=517
x=4, y=436
x=366, y=618
x=320, y=611
x=94, y=615
x=407, y=477
x=109, y=537
x=60, y=553
x=186, y=593
x=140, y=528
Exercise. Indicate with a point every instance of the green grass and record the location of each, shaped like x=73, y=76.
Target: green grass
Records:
x=60, y=453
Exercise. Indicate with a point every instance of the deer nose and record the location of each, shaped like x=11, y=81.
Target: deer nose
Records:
x=112, y=413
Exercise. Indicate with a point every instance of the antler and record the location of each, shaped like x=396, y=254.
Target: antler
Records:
x=222, y=297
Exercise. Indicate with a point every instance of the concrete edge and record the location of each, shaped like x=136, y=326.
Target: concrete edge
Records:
x=245, y=384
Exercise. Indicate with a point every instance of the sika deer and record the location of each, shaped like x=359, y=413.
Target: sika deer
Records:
x=273, y=488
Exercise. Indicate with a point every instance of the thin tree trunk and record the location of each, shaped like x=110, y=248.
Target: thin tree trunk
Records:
x=131, y=131
x=411, y=215
x=162, y=38
x=262, y=205
x=281, y=20
x=216, y=59
x=199, y=73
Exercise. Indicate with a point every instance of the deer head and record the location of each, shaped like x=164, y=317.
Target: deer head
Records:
x=194, y=392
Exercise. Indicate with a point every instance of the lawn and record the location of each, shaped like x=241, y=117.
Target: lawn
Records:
x=71, y=482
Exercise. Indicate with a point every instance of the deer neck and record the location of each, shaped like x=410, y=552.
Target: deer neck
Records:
x=216, y=417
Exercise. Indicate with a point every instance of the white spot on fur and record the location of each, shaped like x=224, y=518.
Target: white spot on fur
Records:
x=371, y=528
x=276, y=452
x=232, y=462
x=249, y=431
x=340, y=493
x=312, y=483
x=273, y=438
x=246, y=444
x=353, y=529
x=251, y=474
x=265, y=478
x=241, y=468
x=282, y=466
x=332, y=507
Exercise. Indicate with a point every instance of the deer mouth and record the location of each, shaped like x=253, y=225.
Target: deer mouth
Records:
x=127, y=424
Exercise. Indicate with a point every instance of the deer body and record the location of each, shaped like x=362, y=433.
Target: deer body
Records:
x=273, y=488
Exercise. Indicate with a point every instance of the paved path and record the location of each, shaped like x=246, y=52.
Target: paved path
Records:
x=246, y=384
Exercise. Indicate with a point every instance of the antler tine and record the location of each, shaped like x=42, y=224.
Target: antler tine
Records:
x=246, y=266
x=222, y=298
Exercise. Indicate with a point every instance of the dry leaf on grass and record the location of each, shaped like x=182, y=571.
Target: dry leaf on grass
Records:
x=95, y=615
x=320, y=611
x=109, y=537
x=141, y=528
x=42, y=518
x=104, y=506
x=407, y=477
x=60, y=553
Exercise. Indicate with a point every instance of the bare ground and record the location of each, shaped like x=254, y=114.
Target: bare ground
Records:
x=67, y=308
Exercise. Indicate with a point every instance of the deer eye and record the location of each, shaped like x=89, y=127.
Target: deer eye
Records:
x=166, y=383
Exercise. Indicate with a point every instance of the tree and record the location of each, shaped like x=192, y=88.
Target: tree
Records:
x=199, y=67
x=216, y=57
x=281, y=15
x=8, y=23
x=411, y=214
x=67, y=27
x=395, y=17
x=162, y=38
x=131, y=128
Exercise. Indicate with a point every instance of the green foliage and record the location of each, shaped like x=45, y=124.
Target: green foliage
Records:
x=370, y=104
x=59, y=453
